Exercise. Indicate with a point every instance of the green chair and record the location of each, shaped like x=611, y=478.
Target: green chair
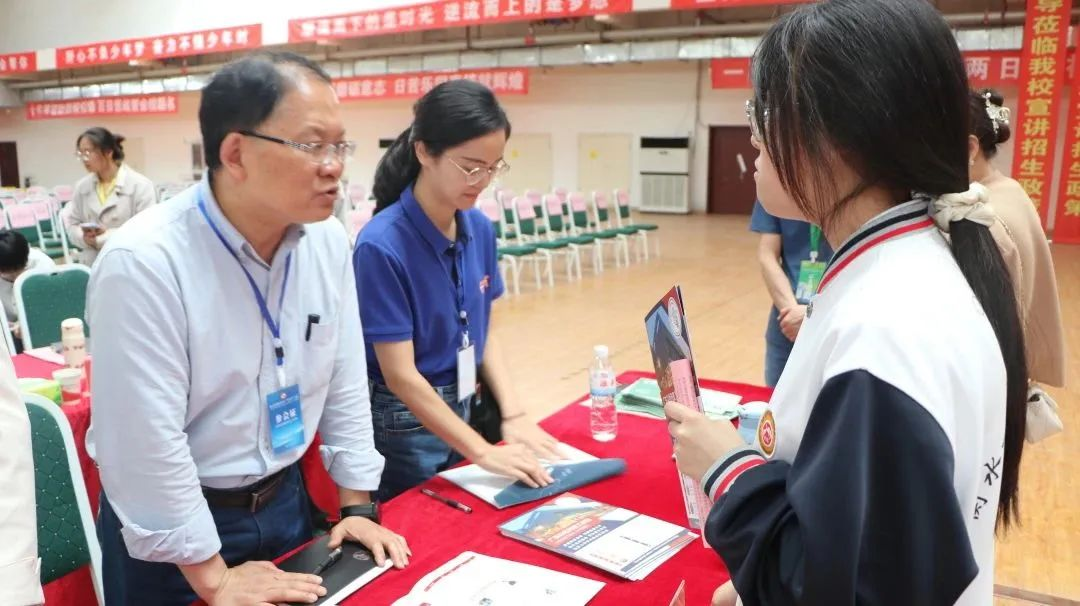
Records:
x=604, y=223
x=581, y=224
x=640, y=231
x=65, y=525
x=48, y=297
x=556, y=216
x=533, y=232
x=513, y=254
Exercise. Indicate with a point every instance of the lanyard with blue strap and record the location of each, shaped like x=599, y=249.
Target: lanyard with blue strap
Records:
x=275, y=328
x=285, y=413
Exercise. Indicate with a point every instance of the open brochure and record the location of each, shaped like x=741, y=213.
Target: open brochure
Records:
x=620, y=541
x=475, y=579
x=578, y=469
x=669, y=340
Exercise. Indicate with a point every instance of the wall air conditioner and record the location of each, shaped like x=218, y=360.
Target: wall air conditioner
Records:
x=665, y=174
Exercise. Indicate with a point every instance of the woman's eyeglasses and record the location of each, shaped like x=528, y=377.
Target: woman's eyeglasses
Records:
x=83, y=155
x=478, y=174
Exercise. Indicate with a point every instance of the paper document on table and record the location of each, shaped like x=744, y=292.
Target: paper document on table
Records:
x=476, y=579
x=578, y=469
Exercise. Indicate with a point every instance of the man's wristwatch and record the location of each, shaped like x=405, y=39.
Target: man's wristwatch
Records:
x=367, y=510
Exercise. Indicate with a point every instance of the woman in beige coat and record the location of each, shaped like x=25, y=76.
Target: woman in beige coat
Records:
x=108, y=197
x=1020, y=237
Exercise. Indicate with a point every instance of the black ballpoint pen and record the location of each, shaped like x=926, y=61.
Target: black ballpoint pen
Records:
x=330, y=560
x=448, y=502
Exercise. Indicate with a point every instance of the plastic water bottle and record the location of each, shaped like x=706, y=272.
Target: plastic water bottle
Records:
x=603, y=418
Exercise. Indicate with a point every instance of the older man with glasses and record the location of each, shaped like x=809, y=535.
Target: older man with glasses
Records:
x=225, y=326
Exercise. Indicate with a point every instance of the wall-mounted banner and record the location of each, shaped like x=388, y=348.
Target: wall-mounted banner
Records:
x=444, y=14
x=161, y=47
x=18, y=63
x=130, y=105
x=1042, y=76
x=410, y=86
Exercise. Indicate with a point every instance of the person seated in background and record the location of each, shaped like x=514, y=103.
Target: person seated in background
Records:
x=108, y=197
x=17, y=258
x=226, y=330
x=20, y=577
x=1019, y=235
x=790, y=252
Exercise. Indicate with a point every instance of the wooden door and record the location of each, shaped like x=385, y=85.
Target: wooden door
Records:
x=9, y=165
x=732, y=189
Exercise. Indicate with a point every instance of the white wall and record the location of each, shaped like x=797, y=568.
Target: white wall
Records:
x=640, y=100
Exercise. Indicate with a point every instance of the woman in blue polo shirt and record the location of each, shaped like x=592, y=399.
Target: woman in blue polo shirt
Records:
x=427, y=273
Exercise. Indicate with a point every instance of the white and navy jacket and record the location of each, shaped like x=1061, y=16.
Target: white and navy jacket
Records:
x=884, y=440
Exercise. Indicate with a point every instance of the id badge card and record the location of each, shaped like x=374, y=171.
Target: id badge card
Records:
x=810, y=274
x=466, y=372
x=286, y=420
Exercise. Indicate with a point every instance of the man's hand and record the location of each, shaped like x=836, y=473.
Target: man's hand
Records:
x=263, y=584
x=379, y=540
x=791, y=319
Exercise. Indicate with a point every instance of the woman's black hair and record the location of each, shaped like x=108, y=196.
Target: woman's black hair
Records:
x=104, y=141
x=982, y=126
x=881, y=85
x=450, y=114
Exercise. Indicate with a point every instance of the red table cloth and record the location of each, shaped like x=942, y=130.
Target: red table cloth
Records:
x=437, y=533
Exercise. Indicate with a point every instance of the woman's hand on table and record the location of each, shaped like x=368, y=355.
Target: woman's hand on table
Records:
x=515, y=461
x=725, y=595
x=380, y=540
x=699, y=442
x=522, y=430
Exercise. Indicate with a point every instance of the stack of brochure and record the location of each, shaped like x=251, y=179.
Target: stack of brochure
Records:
x=643, y=397
x=622, y=542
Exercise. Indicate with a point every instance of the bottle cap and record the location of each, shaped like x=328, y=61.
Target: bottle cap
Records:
x=600, y=351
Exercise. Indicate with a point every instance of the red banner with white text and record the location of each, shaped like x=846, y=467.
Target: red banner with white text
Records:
x=161, y=47
x=693, y=4
x=18, y=63
x=1042, y=75
x=446, y=13
x=131, y=105
x=1067, y=217
x=985, y=69
x=411, y=86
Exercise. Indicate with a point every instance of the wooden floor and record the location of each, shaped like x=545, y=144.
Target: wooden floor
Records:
x=549, y=336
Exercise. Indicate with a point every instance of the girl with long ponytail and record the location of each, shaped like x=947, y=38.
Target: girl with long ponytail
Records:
x=890, y=453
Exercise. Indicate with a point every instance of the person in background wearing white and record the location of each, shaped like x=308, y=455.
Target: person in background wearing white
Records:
x=108, y=197
x=17, y=258
x=20, y=567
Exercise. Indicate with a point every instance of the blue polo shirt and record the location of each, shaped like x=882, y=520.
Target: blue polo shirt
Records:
x=405, y=270
x=794, y=249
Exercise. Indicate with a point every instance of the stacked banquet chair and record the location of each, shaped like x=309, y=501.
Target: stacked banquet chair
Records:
x=511, y=252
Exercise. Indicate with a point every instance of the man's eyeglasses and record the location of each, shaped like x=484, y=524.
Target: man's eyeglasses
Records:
x=751, y=117
x=321, y=153
x=478, y=174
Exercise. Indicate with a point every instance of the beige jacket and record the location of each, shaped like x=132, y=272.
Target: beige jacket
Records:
x=20, y=583
x=134, y=193
x=1019, y=235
